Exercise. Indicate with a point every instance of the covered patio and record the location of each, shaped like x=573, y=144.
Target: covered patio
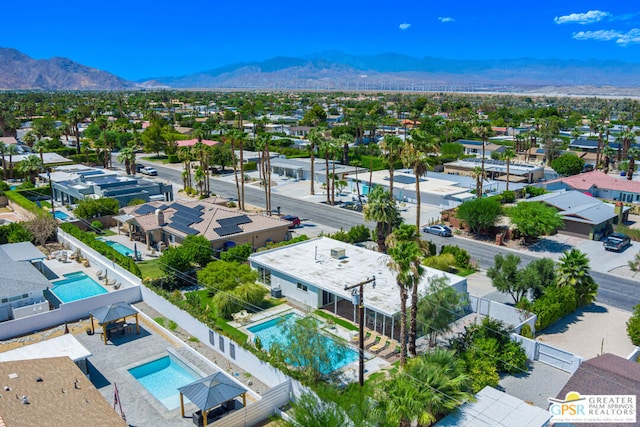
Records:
x=115, y=315
x=213, y=395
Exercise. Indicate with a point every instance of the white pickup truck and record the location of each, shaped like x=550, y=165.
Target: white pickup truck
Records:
x=149, y=171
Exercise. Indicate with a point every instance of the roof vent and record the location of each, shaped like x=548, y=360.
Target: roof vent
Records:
x=25, y=400
x=7, y=388
x=39, y=379
x=338, y=253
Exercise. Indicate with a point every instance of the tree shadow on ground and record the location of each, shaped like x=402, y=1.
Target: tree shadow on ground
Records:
x=563, y=324
x=552, y=246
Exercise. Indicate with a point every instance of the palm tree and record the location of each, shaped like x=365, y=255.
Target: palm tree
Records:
x=383, y=211
x=507, y=156
x=29, y=165
x=199, y=177
x=391, y=145
x=608, y=153
x=3, y=150
x=184, y=154
x=316, y=139
x=39, y=146
x=627, y=136
x=236, y=138
x=11, y=150
x=483, y=130
x=329, y=149
x=413, y=155
x=573, y=270
x=479, y=174
x=405, y=259
x=410, y=233
x=633, y=153
x=262, y=144
x=128, y=156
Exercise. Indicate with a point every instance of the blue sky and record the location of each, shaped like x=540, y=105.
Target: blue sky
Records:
x=141, y=38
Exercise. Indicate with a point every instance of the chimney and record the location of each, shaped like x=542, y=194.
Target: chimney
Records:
x=160, y=216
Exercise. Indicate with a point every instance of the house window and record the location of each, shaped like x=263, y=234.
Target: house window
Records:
x=221, y=343
x=265, y=276
x=232, y=351
x=302, y=287
x=212, y=338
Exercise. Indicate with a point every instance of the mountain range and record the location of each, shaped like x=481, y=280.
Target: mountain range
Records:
x=334, y=70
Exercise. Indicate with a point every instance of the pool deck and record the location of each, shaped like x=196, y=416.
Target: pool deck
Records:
x=58, y=269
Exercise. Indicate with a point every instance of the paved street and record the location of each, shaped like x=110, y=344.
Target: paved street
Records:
x=608, y=268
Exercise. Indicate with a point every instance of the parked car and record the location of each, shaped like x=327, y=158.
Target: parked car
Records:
x=440, y=230
x=139, y=167
x=294, y=221
x=616, y=242
x=149, y=171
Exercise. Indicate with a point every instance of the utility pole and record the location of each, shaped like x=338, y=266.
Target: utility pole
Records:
x=358, y=298
x=53, y=210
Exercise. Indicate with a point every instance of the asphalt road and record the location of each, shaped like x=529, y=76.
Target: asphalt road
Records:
x=619, y=292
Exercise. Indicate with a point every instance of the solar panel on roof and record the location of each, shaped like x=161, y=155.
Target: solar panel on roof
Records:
x=184, y=228
x=240, y=219
x=145, y=209
x=225, y=230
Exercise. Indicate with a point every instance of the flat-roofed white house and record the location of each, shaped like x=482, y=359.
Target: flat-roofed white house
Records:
x=315, y=272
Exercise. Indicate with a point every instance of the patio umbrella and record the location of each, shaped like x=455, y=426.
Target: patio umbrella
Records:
x=135, y=250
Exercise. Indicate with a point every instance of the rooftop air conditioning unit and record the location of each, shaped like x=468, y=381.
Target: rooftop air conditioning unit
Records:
x=338, y=253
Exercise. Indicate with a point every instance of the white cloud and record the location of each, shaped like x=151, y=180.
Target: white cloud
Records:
x=404, y=26
x=621, y=38
x=582, y=18
x=445, y=19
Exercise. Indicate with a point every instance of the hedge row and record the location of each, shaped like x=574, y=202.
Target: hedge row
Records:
x=102, y=248
x=22, y=201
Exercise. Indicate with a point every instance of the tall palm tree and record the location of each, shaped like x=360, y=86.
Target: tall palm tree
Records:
x=413, y=156
x=410, y=233
x=508, y=155
x=634, y=154
x=11, y=150
x=405, y=259
x=3, y=150
x=329, y=150
x=381, y=209
x=608, y=153
x=236, y=138
x=479, y=175
x=316, y=139
x=262, y=144
x=391, y=146
x=483, y=130
x=128, y=156
x=627, y=136
x=184, y=154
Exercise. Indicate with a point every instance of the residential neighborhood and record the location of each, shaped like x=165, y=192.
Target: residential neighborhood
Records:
x=279, y=266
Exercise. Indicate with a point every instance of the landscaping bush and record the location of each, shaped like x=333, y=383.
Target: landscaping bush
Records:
x=526, y=331
x=554, y=304
x=92, y=208
x=238, y=253
x=22, y=201
x=250, y=166
x=508, y=197
x=102, y=248
x=14, y=232
x=633, y=326
x=173, y=158
x=534, y=191
x=358, y=234
x=96, y=225
x=461, y=255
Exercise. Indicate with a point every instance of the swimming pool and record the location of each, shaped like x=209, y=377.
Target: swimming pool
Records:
x=119, y=247
x=163, y=377
x=60, y=215
x=272, y=331
x=76, y=286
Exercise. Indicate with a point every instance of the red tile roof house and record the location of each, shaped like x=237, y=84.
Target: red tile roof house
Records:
x=600, y=185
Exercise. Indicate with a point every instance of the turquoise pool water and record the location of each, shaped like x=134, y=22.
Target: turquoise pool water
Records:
x=163, y=377
x=119, y=247
x=272, y=331
x=76, y=286
x=60, y=215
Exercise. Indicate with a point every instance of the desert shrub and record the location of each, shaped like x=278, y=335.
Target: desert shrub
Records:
x=96, y=225
x=526, y=331
x=555, y=303
x=508, y=196
x=358, y=234
x=633, y=326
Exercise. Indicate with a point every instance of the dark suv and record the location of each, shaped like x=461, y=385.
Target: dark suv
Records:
x=616, y=242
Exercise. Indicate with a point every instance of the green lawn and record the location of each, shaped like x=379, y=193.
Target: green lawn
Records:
x=337, y=320
x=151, y=268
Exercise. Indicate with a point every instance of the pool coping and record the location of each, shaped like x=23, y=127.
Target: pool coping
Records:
x=146, y=394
